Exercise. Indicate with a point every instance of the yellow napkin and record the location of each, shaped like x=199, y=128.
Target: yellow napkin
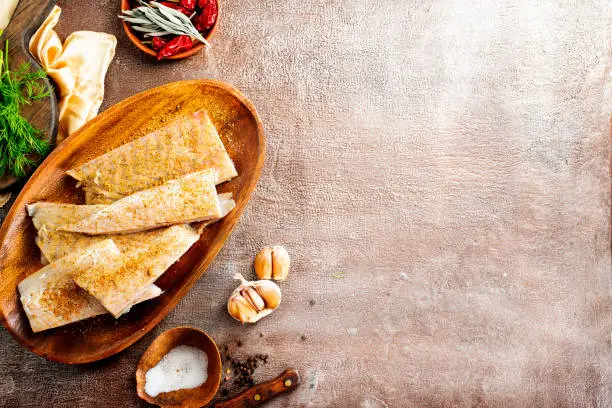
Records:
x=7, y=8
x=78, y=68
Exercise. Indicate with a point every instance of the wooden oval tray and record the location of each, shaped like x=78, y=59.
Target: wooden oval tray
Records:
x=94, y=339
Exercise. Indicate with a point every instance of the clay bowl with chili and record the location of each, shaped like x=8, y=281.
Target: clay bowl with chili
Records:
x=137, y=40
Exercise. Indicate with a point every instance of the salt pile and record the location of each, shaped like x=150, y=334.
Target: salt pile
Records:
x=183, y=367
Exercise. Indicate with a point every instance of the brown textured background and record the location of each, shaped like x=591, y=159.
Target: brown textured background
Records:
x=463, y=145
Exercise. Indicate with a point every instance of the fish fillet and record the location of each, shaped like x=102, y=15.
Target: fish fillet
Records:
x=191, y=198
x=50, y=297
x=121, y=281
x=47, y=217
x=55, y=244
x=189, y=144
x=54, y=215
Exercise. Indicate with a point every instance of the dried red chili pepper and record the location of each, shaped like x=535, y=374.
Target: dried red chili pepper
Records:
x=158, y=43
x=176, y=7
x=208, y=15
x=188, y=4
x=175, y=46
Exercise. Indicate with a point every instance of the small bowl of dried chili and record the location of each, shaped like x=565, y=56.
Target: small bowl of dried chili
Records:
x=170, y=30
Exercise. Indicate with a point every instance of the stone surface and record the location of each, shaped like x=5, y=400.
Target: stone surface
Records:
x=464, y=145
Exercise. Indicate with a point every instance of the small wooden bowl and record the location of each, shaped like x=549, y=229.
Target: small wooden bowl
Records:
x=127, y=5
x=186, y=398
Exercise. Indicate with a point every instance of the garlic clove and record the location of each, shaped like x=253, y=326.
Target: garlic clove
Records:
x=272, y=262
x=251, y=296
x=269, y=292
x=280, y=263
x=252, y=301
x=241, y=310
x=263, y=263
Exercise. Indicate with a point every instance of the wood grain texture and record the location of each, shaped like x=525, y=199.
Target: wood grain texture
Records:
x=94, y=339
x=259, y=394
x=185, y=398
x=42, y=114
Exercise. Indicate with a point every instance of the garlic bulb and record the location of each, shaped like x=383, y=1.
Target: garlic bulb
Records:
x=253, y=300
x=272, y=262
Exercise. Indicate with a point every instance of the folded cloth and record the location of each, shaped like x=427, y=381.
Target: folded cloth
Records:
x=7, y=7
x=78, y=68
x=4, y=198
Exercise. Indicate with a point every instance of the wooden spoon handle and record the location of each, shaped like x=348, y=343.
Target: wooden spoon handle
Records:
x=261, y=393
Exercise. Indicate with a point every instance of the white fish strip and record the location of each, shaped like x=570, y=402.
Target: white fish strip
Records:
x=50, y=297
x=123, y=280
x=190, y=198
x=189, y=144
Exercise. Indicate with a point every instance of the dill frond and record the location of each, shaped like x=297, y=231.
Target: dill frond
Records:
x=20, y=142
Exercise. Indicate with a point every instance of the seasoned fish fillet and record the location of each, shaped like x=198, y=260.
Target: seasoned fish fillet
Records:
x=55, y=244
x=121, y=281
x=189, y=144
x=227, y=205
x=50, y=297
x=47, y=217
x=96, y=196
x=54, y=215
x=191, y=198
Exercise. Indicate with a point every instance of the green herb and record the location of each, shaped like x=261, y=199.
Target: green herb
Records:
x=20, y=142
x=154, y=19
x=338, y=275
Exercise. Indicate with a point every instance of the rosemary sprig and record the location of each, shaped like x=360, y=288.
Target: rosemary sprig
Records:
x=154, y=19
x=20, y=142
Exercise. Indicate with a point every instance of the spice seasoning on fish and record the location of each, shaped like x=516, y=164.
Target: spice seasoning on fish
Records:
x=50, y=297
x=160, y=120
x=190, y=198
x=117, y=283
x=61, y=300
x=136, y=166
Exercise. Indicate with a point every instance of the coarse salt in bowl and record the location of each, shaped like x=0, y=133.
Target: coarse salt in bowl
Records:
x=181, y=367
x=184, y=367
